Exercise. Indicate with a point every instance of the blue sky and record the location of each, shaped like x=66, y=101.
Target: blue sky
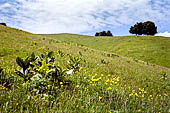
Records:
x=84, y=16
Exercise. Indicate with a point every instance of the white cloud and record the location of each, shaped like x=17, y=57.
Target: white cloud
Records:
x=76, y=16
x=165, y=34
x=4, y=6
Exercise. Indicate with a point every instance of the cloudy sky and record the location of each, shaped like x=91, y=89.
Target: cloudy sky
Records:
x=84, y=16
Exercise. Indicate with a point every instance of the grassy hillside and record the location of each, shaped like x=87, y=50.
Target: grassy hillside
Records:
x=101, y=80
x=155, y=50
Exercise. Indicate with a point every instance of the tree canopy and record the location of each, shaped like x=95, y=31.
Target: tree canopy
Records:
x=146, y=28
x=104, y=33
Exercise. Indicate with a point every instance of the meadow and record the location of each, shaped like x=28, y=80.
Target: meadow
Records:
x=74, y=73
x=151, y=49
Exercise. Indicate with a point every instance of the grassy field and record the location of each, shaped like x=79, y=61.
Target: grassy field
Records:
x=101, y=81
x=155, y=50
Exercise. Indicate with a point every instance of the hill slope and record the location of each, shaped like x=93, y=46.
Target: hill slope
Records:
x=106, y=82
x=155, y=50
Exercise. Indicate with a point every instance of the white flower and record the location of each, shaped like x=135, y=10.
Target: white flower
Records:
x=70, y=72
x=45, y=95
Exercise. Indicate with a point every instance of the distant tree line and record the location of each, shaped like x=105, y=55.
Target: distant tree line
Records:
x=146, y=28
x=104, y=33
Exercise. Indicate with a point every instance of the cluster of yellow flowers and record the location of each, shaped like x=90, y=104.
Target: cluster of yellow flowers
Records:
x=165, y=94
x=109, y=88
x=100, y=78
x=112, y=81
x=95, y=78
x=150, y=97
x=3, y=88
x=140, y=93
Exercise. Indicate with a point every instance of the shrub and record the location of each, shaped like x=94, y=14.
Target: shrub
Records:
x=40, y=74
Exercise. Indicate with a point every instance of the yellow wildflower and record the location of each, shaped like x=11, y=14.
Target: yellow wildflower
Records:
x=150, y=97
x=109, y=88
x=130, y=94
x=100, y=98
x=166, y=95
x=77, y=86
x=94, y=80
x=142, y=89
x=117, y=79
x=61, y=83
x=107, y=80
x=100, y=78
x=80, y=68
x=139, y=110
x=136, y=94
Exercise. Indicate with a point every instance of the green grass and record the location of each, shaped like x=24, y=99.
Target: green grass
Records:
x=152, y=49
x=108, y=82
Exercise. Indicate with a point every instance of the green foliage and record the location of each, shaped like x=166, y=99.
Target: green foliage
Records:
x=75, y=63
x=104, y=33
x=149, y=28
x=40, y=72
x=60, y=53
x=150, y=49
x=146, y=28
x=1, y=70
x=26, y=73
x=107, y=82
x=137, y=29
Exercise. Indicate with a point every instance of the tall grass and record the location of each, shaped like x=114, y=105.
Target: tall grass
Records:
x=106, y=82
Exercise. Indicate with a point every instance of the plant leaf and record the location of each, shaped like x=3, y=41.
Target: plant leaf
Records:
x=50, y=54
x=20, y=62
x=19, y=74
x=32, y=58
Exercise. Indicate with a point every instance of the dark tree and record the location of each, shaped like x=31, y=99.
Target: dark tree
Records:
x=137, y=29
x=132, y=30
x=109, y=33
x=97, y=34
x=146, y=28
x=104, y=33
x=4, y=24
x=149, y=28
